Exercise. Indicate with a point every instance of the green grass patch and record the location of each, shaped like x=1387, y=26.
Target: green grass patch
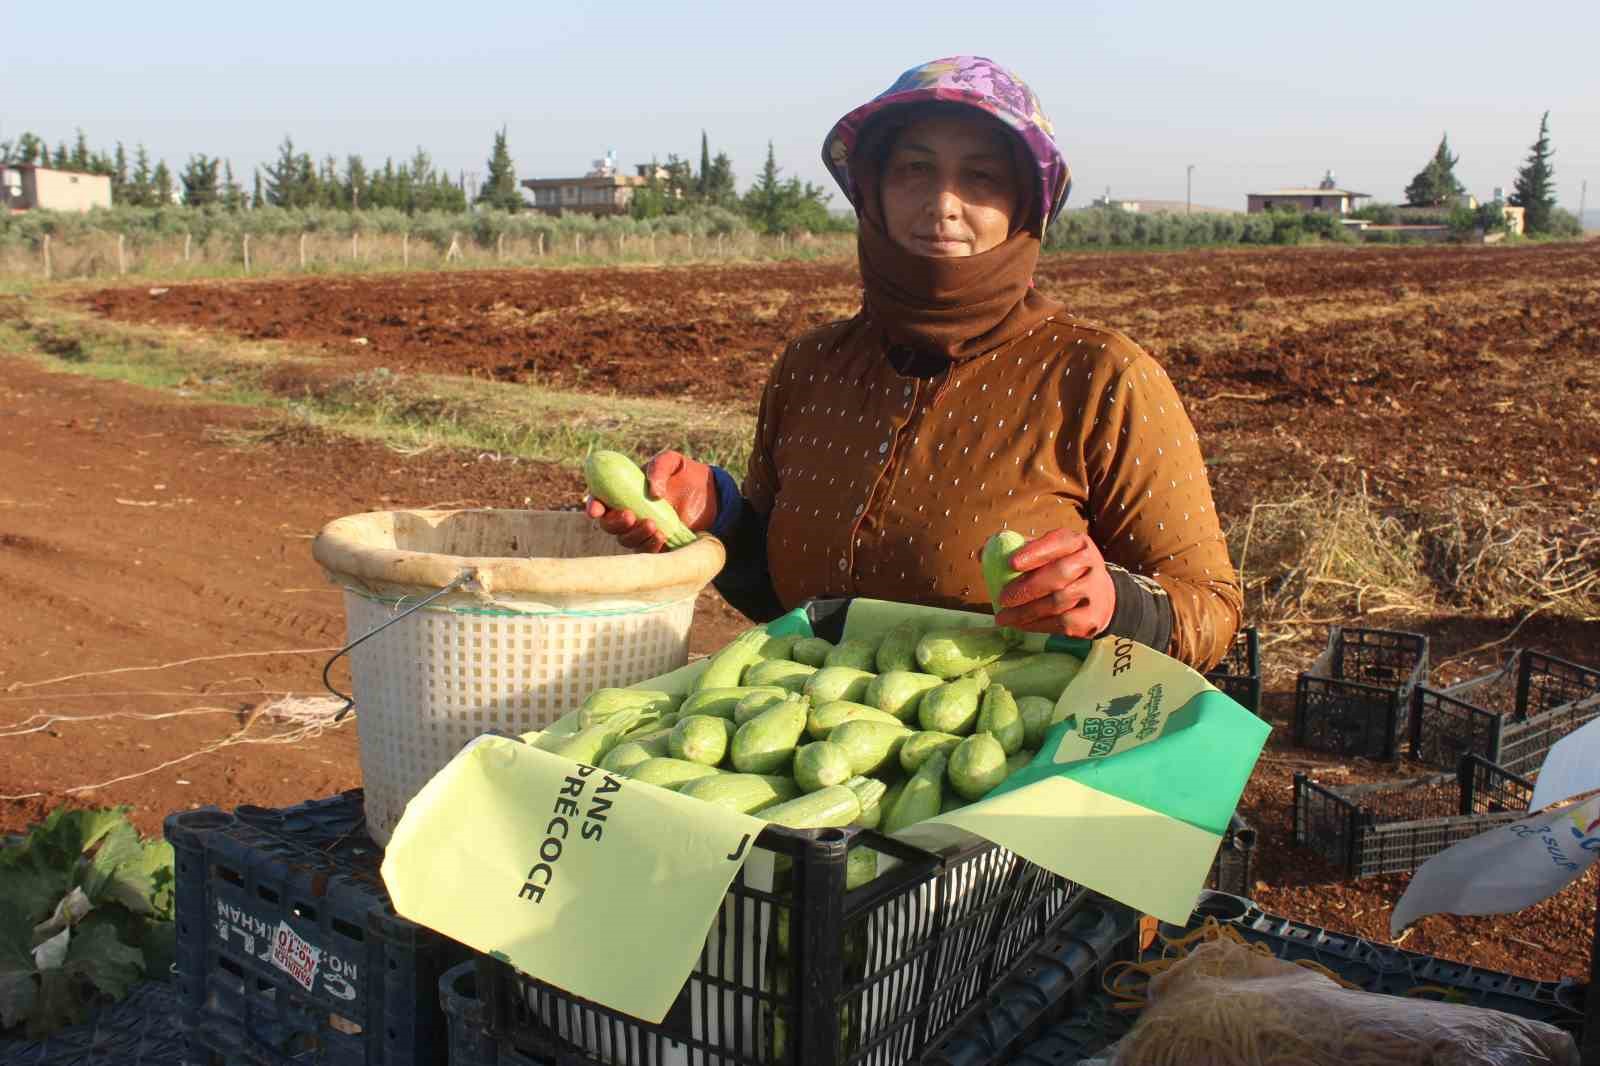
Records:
x=407, y=412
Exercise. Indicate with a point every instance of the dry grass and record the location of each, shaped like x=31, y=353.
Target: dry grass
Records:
x=1493, y=556
x=1334, y=549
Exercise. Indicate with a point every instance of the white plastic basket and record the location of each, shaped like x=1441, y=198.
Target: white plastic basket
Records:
x=552, y=609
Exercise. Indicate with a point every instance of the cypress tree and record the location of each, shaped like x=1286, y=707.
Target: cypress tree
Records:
x=162, y=184
x=119, y=176
x=140, y=190
x=703, y=182
x=81, y=156
x=1535, y=184
x=1436, y=184
x=199, y=179
x=500, y=187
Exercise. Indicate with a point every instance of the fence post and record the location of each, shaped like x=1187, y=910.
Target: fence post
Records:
x=302, y=251
x=122, y=260
x=577, y=244
x=652, y=244
x=500, y=247
x=783, y=243
x=690, y=235
x=405, y=249
x=247, y=253
x=541, y=245
x=46, y=244
x=355, y=247
x=187, y=236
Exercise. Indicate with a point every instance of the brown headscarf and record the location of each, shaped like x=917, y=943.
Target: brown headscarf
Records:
x=954, y=308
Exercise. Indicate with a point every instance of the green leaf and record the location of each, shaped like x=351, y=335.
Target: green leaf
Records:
x=29, y=891
x=160, y=947
x=119, y=847
x=19, y=987
x=62, y=1001
x=97, y=954
x=143, y=883
x=67, y=834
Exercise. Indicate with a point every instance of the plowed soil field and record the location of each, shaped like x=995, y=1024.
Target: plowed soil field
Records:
x=135, y=533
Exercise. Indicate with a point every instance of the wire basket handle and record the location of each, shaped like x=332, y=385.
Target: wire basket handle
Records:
x=461, y=579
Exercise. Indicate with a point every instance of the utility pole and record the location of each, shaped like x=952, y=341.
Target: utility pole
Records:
x=1188, y=190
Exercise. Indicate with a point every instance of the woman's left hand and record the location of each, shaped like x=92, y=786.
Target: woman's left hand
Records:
x=1064, y=588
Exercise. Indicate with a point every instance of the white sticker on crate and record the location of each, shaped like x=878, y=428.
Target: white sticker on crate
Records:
x=295, y=956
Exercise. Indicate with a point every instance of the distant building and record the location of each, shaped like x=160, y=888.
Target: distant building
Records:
x=25, y=186
x=1327, y=197
x=602, y=191
x=1118, y=205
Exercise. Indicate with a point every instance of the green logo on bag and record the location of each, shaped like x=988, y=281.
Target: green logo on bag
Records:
x=1116, y=722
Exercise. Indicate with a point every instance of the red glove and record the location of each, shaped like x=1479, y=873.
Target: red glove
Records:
x=1064, y=588
x=671, y=476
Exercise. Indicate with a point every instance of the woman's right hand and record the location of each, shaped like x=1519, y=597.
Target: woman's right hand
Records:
x=688, y=486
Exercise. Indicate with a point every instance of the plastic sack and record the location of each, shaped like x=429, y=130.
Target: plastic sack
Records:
x=1227, y=1004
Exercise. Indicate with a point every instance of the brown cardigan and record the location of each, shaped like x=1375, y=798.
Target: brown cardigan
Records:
x=878, y=484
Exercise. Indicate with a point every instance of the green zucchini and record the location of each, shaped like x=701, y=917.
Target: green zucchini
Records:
x=998, y=716
x=899, y=692
x=898, y=648
x=868, y=744
x=728, y=665
x=836, y=805
x=827, y=717
x=820, y=764
x=745, y=793
x=953, y=706
x=952, y=653
x=977, y=765
x=616, y=481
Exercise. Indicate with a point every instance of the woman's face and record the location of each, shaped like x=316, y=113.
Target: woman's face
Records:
x=949, y=187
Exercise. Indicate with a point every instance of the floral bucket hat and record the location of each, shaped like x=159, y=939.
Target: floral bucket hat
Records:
x=979, y=83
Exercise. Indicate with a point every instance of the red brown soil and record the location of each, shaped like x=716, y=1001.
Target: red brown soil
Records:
x=1427, y=368
x=1423, y=366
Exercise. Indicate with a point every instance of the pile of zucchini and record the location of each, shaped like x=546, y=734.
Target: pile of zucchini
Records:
x=806, y=733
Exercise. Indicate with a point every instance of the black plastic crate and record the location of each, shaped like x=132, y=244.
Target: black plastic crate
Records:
x=1238, y=675
x=1231, y=870
x=1394, y=826
x=1094, y=1024
x=139, y=1030
x=1356, y=699
x=866, y=979
x=872, y=978
x=471, y=1042
x=1062, y=973
x=1511, y=716
x=1589, y=1045
x=255, y=885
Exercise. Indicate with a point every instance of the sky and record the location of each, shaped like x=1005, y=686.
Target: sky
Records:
x=1254, y=96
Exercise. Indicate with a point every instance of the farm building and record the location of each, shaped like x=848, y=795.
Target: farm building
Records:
x=1326, y=196
x=24, y=186
x=602, y=191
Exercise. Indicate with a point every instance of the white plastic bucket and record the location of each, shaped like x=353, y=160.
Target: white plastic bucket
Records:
x=552, y=609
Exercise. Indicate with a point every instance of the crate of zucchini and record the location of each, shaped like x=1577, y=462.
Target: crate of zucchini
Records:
x=857, y=947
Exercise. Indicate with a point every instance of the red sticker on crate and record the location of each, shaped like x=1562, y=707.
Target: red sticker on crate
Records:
x=295, y=956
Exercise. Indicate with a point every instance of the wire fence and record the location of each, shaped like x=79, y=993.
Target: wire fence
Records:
x=111, y=255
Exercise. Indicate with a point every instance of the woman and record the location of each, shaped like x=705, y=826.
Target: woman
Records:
x=959, y=401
